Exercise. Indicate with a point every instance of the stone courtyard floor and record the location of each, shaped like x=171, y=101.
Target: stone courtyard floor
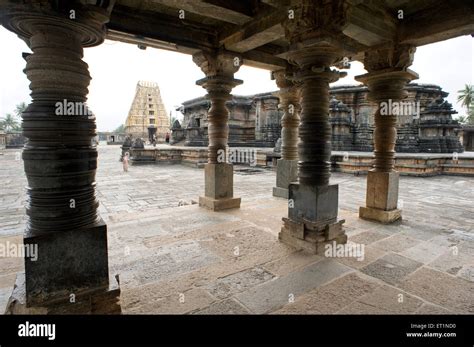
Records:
x=189, y=260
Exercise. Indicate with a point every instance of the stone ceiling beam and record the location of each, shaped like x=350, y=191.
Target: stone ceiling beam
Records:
x=159, y=27
x=439, y=23
x=260, y=31
x=211, y=9
x=370, y=27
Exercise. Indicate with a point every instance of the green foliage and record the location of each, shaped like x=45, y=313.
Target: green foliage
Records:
x=120, y=129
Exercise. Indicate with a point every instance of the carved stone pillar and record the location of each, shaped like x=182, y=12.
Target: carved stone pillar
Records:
x=386, y=80
x=313, y=34
x=287, y=166
x=59, y=158
x=219, y=68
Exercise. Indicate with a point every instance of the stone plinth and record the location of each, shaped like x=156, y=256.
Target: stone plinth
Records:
x=313, y=203
x=104, y=300
x=219, y=187
x=312, y=221
x=382, y=197
x=68, y=261
x=287, y=172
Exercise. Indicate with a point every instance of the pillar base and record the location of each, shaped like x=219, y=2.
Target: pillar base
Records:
x=312, y=221
x=287, y=172
x=312, y=237
x=280, y=192
x=378, y=215
x=219, y=187
x=219, y=204
x=94, y=301
x=68, y=262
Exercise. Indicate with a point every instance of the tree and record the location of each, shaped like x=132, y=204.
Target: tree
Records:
x=120, y=129
x=466, y=98
x=20, y=108
x=462, y=119
x=10, y=123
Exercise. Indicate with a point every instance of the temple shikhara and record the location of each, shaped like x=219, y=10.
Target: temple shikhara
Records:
x=233, y=249
x=147, y=117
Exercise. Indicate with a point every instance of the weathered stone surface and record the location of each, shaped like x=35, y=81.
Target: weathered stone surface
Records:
x=331, y=297
x=287, y=172
x=229, y=306
x=442, y=289
x=378, y=215
x=391, y=300
x=382, y=190
x=230, y=285
x=274, y=294
x=396, y=243
x=62, y=268
x=313, y=203
x=391, y=268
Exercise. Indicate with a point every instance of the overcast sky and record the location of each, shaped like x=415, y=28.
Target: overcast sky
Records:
x=117, y=67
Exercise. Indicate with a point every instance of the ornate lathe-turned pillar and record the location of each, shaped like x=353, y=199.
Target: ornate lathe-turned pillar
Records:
x=287, y=165
x=219, y=68
x=388, y=75
x=70, y=270
x=312, y=221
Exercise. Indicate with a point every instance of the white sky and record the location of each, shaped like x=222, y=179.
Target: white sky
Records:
x=117, y=67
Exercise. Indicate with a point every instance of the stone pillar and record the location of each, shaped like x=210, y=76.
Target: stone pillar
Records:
x=386, y=80
x=219, y=68
x=287, y=166
x=59, y=158
x=313, y=33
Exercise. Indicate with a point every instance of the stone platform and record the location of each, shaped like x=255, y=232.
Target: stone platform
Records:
x=410, y=164
x=188, y=260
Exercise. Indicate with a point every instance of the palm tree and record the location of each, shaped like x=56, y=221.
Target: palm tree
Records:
x=10, y=123
x=466, y=96
x=20, y=108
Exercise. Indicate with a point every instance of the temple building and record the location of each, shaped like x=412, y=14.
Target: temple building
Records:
x=425, y=122
x=254, y=120
x=147, y=116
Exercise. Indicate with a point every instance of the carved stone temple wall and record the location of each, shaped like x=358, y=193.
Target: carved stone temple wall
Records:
x=254, y=120
x=147, y=115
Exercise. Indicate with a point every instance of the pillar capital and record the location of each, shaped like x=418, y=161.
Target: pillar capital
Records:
x=388, y=72
x=313, y=19
x=218, y=63
x=85, y=22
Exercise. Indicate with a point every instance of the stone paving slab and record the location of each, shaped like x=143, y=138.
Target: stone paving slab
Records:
x=161, y=250
x=442, y=289
x=277, y=293
x=391, y=268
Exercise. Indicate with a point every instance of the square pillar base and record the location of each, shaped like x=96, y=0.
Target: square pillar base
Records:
x=312, y=221
x=381, y=197
x=94, y=301
x=313, y=203
x=280, y=192
x=312, y=237
x=219, y=204
x=287, y=172
x=68, y=262
x=219, y=187
x=378, y=215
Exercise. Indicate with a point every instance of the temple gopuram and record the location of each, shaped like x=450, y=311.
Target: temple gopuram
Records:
x=254, y=120
x=147, y=117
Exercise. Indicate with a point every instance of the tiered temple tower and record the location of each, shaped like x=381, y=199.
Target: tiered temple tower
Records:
x=147, y=115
